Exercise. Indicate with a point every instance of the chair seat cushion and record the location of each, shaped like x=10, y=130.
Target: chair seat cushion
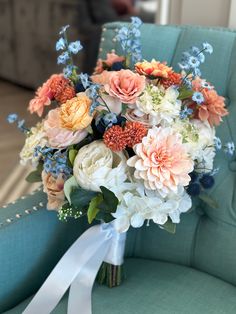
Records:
x=158, y=287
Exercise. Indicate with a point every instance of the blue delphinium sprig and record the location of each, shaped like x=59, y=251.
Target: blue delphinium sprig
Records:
x=193, y=58
x=68, y=49
x=55, y=162
x=198, y=97
x=13, y=118
x=229, y=148
x=130, y=41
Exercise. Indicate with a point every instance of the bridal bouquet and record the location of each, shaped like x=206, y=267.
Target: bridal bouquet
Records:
x=131, y=144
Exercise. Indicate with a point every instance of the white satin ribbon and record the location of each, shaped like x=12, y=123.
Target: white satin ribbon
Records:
x=77, y=269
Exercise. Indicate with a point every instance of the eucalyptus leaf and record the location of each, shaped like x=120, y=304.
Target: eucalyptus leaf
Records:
x=208, y=200
x=93, y=207
x=72, y=154
x=185, y=93
x=33, y=177
x=69, y=185
x=169, y=226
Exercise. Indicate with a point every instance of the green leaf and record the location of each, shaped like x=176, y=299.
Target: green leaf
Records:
x=185, y=93
x=36, y=175
x=72, y=154
x=169, y=226
x=208, y=200
x=33, y=177
x=81, y=198
x=69, y=185
x=110, y=201
x=93, y=207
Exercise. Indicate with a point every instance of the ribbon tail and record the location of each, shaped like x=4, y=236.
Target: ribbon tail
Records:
x=80, y=297
x=67, y=269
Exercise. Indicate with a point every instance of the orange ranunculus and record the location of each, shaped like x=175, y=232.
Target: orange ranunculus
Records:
x=74, y=114
x=153, y=68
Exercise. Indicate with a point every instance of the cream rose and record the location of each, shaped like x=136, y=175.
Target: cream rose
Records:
x=96, y=165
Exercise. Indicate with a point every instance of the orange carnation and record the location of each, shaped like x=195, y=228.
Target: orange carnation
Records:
x=74, y=114
x=172, y=79
x=154, y=68
x=115, y=138
x=134, y=132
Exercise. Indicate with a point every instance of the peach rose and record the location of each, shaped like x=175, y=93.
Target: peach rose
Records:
x=57, y=136
x=125, y=85
x=74, y=114
x=54, y=187
x=153, y=68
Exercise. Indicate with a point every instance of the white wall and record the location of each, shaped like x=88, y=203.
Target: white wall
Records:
x=203, y=12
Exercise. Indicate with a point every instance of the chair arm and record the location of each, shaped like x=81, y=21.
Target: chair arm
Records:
x=32, y=240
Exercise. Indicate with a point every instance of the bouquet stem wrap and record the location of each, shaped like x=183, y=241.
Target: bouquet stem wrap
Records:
x=78, y=269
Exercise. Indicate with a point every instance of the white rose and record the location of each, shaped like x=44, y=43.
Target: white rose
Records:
x=96, y=165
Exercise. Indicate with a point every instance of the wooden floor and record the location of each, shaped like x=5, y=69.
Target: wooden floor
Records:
x=13, y=99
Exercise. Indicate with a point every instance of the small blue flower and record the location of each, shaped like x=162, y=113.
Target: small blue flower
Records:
x=195, y=50
x=207, y=47
x=93, y=91
x=63, y=29
x=185, y=112
x=218, y=143
x=197, y=72
x=12, y=118
x=67, y=71
x=183, y=66
x=136, y=21
x=63, y=58
x=109, y=119
x=187, y=82
x=84, y=80
x=75, y=47
x=198, y=97
x=204, y=84
x=201, y=57
x=61, y=44
x=193, y=62
x=229, y=148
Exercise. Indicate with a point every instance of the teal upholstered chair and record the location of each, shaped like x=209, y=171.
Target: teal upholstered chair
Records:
x=193, y=271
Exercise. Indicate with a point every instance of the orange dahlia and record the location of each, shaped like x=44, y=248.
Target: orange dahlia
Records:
x=115, y=138
x=134, y=132
x=154, y=68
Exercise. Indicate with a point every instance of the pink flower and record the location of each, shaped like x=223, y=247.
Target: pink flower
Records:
x=161, y=161
x=43, y=97
x=59, y=137
x=110, y=60
x=102, y=78
x=113, y=58
x=125, y=85
x=54, y=188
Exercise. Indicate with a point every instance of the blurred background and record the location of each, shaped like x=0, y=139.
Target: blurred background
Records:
x=28, y=33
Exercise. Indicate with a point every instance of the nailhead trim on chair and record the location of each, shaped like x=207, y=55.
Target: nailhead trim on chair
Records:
x=23, y=213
